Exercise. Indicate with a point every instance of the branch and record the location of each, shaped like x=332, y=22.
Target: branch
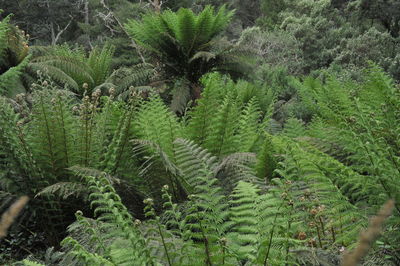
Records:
x=156, y=5
x=9, y=216
x=123, y=29
x=54, y=42
x=368, y=237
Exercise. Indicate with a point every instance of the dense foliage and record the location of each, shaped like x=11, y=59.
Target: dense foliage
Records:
x=200, y=135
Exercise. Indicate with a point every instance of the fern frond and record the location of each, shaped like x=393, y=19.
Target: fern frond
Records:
x=348, y=219
x=56, y=74
x=222, y=139
x=192, y=160
x=243, y=219
x=51, y=132
x=99, y=63
x=234, y=168
x=115, y=219
x=249, y=129
x=15, y=154
x=294, y=128
x=64, y=190
x=82, y=255
x=9, y=80
x=31, y=263
x=279, y=221
x=266, y=162
x=202, y=115
x=156, y=123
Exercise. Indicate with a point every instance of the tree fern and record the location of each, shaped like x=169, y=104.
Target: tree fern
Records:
x=187, y=43
x=13, y=58
x=117, y=223
x=74, y=68
x=54, y=150
x=324, y=193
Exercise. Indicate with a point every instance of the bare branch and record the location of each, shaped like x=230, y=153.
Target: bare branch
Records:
x=9, y=216
x=123, y=29
x=60, y=32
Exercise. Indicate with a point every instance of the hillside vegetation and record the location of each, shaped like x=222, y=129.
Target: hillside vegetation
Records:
x=200, y=132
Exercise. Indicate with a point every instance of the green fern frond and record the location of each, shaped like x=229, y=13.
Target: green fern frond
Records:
x=222, y=139
x=279, y=221
x=64, y=190
x=294, y=128
x=156, y=123
x=15, y=153
x=249, y=131
x=99, y=63
x=9, y=80
x=192, y=160
x=116, y=223
x=234, y=168
x=56, y=74
x=82, y=255
x=31, y=263
x=244, y=221
x=124, y=78
x=51, y=132
x=119, y=145
x=73, y=67
x=266, y=162
x=187, y=29
x=201, y=121
x=349, y=220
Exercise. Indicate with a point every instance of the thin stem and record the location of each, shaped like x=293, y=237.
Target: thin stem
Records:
x=333, y=234
x=163, y=242
x=270, y=238
x=319, y=235
x=61, y=110
x=322, y=225
x=206, y=247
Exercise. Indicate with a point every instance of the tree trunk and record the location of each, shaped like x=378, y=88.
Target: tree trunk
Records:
x=86, y=11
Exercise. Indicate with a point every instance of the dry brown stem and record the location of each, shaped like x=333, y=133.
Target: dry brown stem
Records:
x=9, y=216
x=368, y=236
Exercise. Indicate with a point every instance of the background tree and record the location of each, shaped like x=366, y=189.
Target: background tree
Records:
x=47, y=22
x=384, y=12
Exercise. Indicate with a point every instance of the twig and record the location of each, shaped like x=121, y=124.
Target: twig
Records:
x=61, y=31
x=368, y=236
x=9, y=216
x=123, y=29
